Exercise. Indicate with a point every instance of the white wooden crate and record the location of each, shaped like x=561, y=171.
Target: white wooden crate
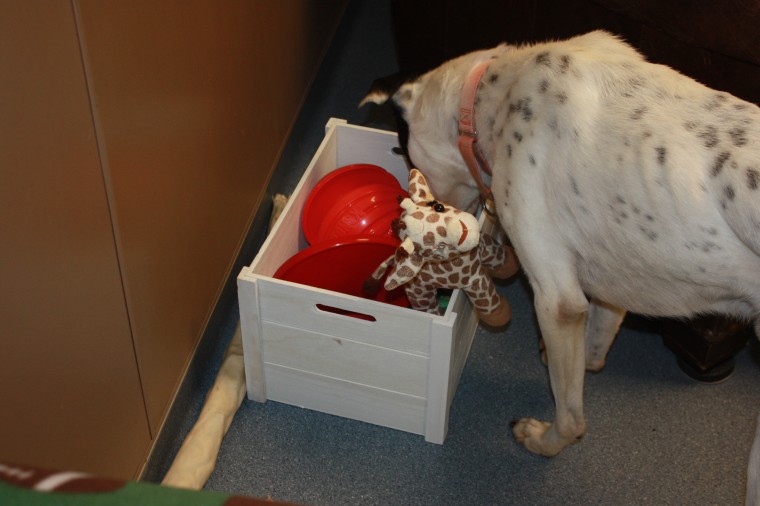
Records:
x=400, y=370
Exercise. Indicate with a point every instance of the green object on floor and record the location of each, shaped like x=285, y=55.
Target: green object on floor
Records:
x=131, y=493
x=28, y=486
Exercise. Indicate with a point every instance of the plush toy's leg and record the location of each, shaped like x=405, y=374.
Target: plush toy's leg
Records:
x=499, y=316
x=510, y=266
x=374, y=282
x=423, y=297
x=492, y=308
x=500, y=260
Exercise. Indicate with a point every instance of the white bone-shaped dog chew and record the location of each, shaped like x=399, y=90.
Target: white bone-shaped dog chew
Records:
x=622, y=184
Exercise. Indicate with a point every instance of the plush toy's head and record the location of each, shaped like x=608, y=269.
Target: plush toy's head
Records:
x=430, y=231
x=436, y=230
x=442, y=247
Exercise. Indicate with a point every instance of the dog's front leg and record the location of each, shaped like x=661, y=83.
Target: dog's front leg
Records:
x=602, y=326
x=562, y=325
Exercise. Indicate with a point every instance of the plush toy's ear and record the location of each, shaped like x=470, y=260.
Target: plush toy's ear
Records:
x=419, y=190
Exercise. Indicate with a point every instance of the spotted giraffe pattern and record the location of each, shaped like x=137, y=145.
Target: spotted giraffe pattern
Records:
x=442, y=247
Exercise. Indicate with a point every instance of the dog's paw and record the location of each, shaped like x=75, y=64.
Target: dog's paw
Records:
x=595, y=366
x=530, y=433
x=542, y=438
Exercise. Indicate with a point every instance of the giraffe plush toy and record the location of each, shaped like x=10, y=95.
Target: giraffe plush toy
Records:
x=442, y=247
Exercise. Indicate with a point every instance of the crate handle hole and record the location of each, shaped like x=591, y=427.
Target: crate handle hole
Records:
x=397, y=151
x=345, y=312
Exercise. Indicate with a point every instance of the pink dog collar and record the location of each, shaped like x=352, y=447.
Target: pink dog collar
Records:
x=468, y=134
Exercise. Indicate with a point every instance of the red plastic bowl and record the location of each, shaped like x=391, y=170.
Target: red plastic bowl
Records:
x=350, y=201
x=343, y=267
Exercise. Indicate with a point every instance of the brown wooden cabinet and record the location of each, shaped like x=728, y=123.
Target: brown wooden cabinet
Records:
x=136, y=142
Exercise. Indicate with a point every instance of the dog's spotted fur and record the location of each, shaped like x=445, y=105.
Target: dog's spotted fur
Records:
x=616, y=179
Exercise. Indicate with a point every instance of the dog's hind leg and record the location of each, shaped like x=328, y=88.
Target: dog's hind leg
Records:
x=562, y=321
x=602, y=326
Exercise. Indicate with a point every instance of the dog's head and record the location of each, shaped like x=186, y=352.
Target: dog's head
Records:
x=427, y=110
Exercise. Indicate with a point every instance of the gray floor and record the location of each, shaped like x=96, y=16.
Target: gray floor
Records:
x=654, y=436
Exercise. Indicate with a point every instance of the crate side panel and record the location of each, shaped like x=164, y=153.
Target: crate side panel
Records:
x=438, y=383
x=286, y=237
x=465, y=325
x=346, y=399
x=250, y=328
x=368, y=145
x=345, y=359
x=295, y=305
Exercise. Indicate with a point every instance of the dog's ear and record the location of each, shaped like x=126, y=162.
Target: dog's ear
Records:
x=400, y=89
x=397, y=91
x=383, y=89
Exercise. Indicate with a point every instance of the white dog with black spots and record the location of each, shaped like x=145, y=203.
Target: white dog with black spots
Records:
x=622, y=184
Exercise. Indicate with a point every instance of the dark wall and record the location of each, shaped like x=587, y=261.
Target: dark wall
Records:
x=715, y=42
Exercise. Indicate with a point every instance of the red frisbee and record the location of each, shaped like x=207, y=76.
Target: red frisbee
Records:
x=343, y=266
x=353, y=200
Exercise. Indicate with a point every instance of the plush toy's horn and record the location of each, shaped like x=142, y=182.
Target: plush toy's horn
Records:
x=419, y=190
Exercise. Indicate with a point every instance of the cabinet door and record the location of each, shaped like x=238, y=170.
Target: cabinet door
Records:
x=193, y=101
x=70, y=393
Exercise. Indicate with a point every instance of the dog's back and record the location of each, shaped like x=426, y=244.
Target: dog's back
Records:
x=652, y=178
